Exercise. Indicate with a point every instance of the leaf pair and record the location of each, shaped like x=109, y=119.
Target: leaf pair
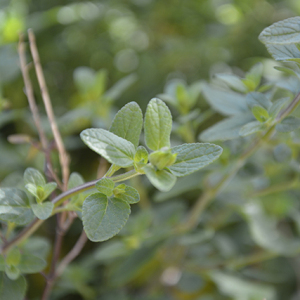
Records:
x=119, y=146
x=105, y=213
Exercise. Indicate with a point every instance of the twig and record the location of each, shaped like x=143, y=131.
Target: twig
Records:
x=34, y=108
x=63, y=156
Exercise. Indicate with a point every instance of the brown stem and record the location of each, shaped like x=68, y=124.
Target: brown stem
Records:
x=34, y=108
x=63, y=156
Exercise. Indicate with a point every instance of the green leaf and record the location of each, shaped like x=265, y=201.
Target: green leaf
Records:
x=75, y=180
x=105, y=186
x=34, y=176
x=37, y=246
x=15, y=206
x=41, y=192
x=283, y=32
x=251, y=128
x=127, y=193
x=110, y=251
x=227, y=103
x=163, y=158
x=158, y=125
x=12, y=272
x=128, y=123
x=161, y=179
x=260, y=113
x=13, y=257
x=227, y=129
x=239, y=288
x=287, y=52
x=277, y=106
x=141, y=155
x=12, y=289
x=48, y=189
x=259, y=99
x=102, y=217
x=140, y=159
x=253, y=77
x=42, y=210
x=193, y=157
x=233, y=81
x=112, y=147
x=30, y=264
x=266, y=234
x=36, y=185
x=288, y=124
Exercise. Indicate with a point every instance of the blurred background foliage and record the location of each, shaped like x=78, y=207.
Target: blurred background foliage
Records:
x=99, y=55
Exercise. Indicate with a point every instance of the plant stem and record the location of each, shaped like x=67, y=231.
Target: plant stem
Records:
x=31, y=228
x=24, y=234
x=34, y=109
x=63, y=156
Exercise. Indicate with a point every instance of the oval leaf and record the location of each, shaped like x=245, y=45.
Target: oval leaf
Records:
x=227, y=103
x=158, y=125
x=102, y=217
x=14, y=206
x=288, y=124
x=193, y=157
x=128, y=123
x=42, y=210
x=33, y=176
x=12, y=289
x=127, y=193
x=105, y=186
x=161, y=179
x=112, y=147
x=283, y=32
x=227, y=129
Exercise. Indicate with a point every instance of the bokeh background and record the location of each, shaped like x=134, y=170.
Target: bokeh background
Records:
x=99, y=55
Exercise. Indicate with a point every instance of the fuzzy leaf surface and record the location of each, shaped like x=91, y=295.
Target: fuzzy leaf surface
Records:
x=251, y=128
x=193, y=157
x=283, y=32
x=161, y=179
x=128, y=123
x=127, y=193
x=105, y=186
x=30, y=264
x=227, y=129
x=103, y=217
x=42, y=210
x=33, y=176
x=12, y=289
x=15, y=206
x=112, y=147
x=158, y=125
x=227, y=103
x=288, y=124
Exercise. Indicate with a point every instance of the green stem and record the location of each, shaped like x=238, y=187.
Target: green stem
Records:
x=90, y=185
x=32, y=227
